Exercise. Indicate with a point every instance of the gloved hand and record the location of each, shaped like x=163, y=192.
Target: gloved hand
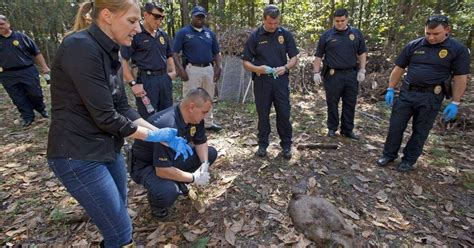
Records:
x=180, y=146
x=204, y=166
x=161, y=135
x=317, y=78
x=269, y=70
x=450, y=111
x=201, y=177
x=389, y=96
x=275, y=73
x=361, y=75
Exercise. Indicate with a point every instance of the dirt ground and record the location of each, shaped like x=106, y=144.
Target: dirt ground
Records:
x=245, y=204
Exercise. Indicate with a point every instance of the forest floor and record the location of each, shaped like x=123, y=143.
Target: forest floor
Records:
x=245, y=204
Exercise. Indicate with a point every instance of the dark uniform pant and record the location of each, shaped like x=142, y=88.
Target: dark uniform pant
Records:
x=162, y=193
x=159, y=89
x=25, y=92
x=423, y=107
x=343, y=84
x=268, y=90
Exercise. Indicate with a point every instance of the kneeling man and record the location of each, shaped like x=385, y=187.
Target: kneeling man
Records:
x=155, y=166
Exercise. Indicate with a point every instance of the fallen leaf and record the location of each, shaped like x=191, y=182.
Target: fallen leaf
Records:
x=311, y=182
x=448, y=206
x=229, y=236
x=417, y=190
x=267, y=208
x=429, y=240
x=189, y=236
x=359, y=188
x=366, y=234
x=15, y=232
x=381, y=196
x=363, y=178
x=349, y=213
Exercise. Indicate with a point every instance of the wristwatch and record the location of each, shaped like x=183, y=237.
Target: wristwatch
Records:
x=287, y=69
x=132, y=83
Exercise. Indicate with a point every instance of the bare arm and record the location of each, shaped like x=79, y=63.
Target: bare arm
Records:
x=317, y=65
x=362, y=61
x=40, y=60
x=459, y=86
x=171, y=68
x=253, y=68
x=202, y=151
x=173, y=173
x=217, y=66
x=179, y=67
x=127, y=73
x=395, y=76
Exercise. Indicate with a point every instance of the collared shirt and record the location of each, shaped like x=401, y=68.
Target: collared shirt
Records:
x=339, y=49
x=90, y=114
x=148, y=52
x=17, y=51
x=432, y=64
x=159, y=155
x=265, y=48
x=198, y=47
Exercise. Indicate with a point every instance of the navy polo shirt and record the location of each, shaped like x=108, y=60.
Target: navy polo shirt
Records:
x=198, y=47
x=16, y=51
x=432, y=64
x=340, y=48
x=271, y=49
x=148, y=52
x=163, y=156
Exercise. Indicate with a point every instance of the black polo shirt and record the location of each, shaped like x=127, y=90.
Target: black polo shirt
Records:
x=159, y=155
x=432, y=64
x=17, y=52
x=271, y=49
x=148, y=52
x=90, y=114
x=198, y=47
x=339, y=49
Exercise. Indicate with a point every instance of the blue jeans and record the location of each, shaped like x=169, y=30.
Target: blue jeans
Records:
x=101, y=188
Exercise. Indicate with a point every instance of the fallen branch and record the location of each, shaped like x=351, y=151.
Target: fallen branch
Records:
x=317, y=146
x=370, y=116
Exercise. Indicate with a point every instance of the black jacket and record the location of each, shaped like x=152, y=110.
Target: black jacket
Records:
x=90, y=114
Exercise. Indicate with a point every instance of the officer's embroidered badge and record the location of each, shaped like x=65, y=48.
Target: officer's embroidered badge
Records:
x=192, y=131
x=281, y=39
x=162, y=40
x=437, y=89
x=16, y=43
x=352, y=37
x=443, y=53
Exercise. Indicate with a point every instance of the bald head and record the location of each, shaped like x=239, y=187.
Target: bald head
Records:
x=198, y=96
x=3, y=18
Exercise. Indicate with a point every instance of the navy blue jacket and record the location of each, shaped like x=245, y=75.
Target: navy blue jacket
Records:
x=198, y=47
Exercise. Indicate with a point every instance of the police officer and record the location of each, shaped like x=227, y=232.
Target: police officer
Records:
x=18, y=74
x=431, y=60
x=200, y=49
x=154, y=165
x=151, y=53
x=344, y=54
x=265, y=55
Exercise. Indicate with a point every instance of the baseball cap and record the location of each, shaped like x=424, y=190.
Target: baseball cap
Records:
x=198, y=10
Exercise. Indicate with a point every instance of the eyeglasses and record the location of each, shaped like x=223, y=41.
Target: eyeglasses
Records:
x=438, y=19
x=157, y=16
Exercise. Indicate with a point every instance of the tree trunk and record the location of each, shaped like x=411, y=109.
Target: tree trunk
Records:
x=205, y=4
x=361, y=13
x=184, y=12
x=221, y=11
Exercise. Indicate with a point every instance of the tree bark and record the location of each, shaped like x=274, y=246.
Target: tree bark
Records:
x=184, y=12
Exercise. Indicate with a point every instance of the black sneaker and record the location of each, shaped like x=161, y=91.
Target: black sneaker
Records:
x=405, y=166
x=160, y=213
x=44, y=113
x=183, y=188
x=351, y=135
x=261, y=152
x=286, y=153
x=331, y=133
x=214, y=128
x=27, y=123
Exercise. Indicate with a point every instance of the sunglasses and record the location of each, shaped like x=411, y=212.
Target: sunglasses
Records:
x=439, y=19
x=157, y=16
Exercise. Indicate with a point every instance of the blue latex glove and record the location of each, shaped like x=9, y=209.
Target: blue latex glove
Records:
x=389, y=96
x=450, y=111
x=269, y=70
x=275, y=74
x=179, y=145
x=161, y=135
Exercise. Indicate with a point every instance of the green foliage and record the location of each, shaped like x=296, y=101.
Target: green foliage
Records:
x=387, y=24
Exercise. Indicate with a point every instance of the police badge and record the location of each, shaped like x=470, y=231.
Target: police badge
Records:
x=443, y=53
x=351, y=36
x=281, y=39
x=437, y=89
x=192, y=131
x=162, y=40
x=16, y=42
x=331, y=72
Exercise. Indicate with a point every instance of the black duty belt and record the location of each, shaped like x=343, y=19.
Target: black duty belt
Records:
x=152, y=72
x=18, y=68
x=201, y=65
x=435, y=89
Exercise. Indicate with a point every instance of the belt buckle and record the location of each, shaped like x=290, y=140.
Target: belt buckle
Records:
x=332, y=71
x=148, y=72
x=437, y=89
